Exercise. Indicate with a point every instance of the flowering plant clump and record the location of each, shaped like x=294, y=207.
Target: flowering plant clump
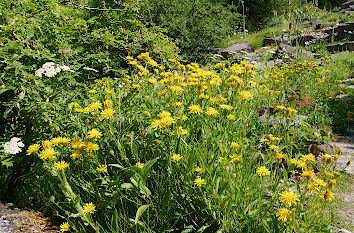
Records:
x=175, y=145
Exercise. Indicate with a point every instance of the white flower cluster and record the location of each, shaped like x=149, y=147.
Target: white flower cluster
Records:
x=13, y=146
x=50, y=69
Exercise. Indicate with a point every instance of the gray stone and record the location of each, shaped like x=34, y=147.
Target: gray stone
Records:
x=236, y=48
x=343, y=231
x=347, y=46
x=270, y=41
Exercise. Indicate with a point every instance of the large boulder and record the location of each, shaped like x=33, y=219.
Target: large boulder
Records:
x=347, y=46
x=235, y=48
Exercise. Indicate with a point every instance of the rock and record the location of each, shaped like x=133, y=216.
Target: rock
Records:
x=270, y=41
x=236, y=48
x=347, y=146
x=215, y=50
x=348, y=46
x=341, y=31
x=310, y=39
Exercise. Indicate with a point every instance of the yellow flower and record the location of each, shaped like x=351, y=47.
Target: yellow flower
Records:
x=182, y=131
x=274, y=147
x=234, y=144
x=59, y=140
x=212, y=111
x=168, y=120
x=291, y=110
x=73, y=105
x=92, y=91
x=106, y=114
x=235, y=157
x=108, y=104
x=76, y=155
x=283, y=214
x=196, y=109
x=231, y=117
x=176, y=157
x=288, y=198
x=90, y=146
x=308, y=158
x=94, y=133
x=46, y=144
x=130, y=58
x=89, y=208
x=280, y=155
x=178, y=104
x=62, y=165
x=199, y=181
x=263, y=171
x=226, y=107
x=33, y=148
x=177, y=89
x=77, y=143
x=246, y=95
x=320, y=182
x=95, y=105
x=264, y=140
x=327, y=195
x=163, y=93
x=308, y=174
x=157, y=124
x=198, y=169
x=332, y=183
x=64, y=227
x=109, y=92
x=164, y=114
x=49, y=154
x=294, y=161
x=139, y=165
x=102, y=168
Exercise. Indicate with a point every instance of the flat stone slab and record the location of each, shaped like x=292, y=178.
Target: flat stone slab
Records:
x=236, y=48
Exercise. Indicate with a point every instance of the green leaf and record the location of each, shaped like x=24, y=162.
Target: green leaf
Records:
x=139, y=212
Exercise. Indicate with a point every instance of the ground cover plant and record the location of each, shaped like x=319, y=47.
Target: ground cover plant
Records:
x=178, y=148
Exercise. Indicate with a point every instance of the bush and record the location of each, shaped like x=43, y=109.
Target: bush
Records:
x=197, y=25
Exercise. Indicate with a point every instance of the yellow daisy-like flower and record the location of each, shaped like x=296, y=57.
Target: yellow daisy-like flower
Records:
x=235, y=157
x=89, y=208
x=46, y=144
x=176, y=157
x=231, y=117
x=90, y=146
x=64, y=227
x=106, y=114
x=235, y=145
x=308, y=158
x=139, y=165
x=109, y=92
x=182, y=131
x=33, y=148
x=177, y=89
x=164, y=114
x=77, y=143
x=73, y=105
x=168, y=120
x=179, y=104
x=157, y=124
x=212, y=111
x=283, y=214
x=301, y=164
x=308, y=174
x=184, y=117
x=59, y=140
x=280, y=155
x=263, y=171
x=294, y=161
x=199, y=181
x=264, y=140
x=76, y=155
x=102, y=168
x=226, y=107
x=95, y=105
x=94, y=133
x=320, y=182
x=327, y=195
x=246, y=95
x=62, y=165
x=288, y=198
x=274, y=147
x=198, y=169
x=49, y=154
x=108, y=103
x=196, y=109
x=92, y=91
x=291, y=110
x=332, y=183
